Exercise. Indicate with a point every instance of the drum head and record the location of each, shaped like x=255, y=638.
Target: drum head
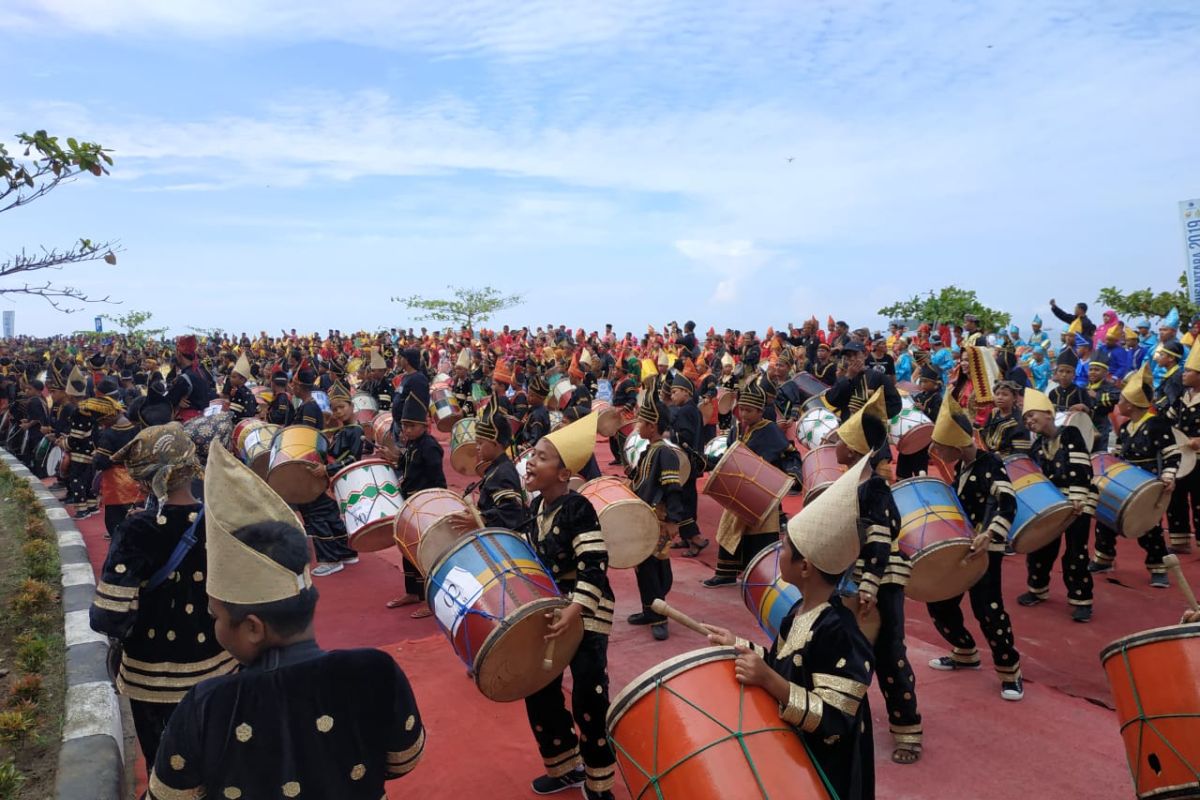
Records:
x=296, y=482
x=437, y=540
x=509, y=665
x=462, y=458
x=916, y=439
x=373, y=537
x=1187, y=456
x=1142, y=510
x=938, y=573
x=630, y=529
x=446, y=424
x=1044, y=528
x=608, y=422
x=725, y=402
x=53, y=460
x=261, y=464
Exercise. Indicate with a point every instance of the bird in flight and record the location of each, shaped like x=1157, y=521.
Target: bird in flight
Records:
x=791, y=159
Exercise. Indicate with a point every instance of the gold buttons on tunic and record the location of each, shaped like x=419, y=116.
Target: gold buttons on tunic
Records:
x=357, y=773
x=178, y=762
x=841, y=662
x=197, y=576
x=410, y=723
x=232, y=792
x=150, y=633
x=325, y=723
x=170, y=636
x=243, y=732
x=200, y=637
x=120, y=569
x=189, y=608
x=291, y=789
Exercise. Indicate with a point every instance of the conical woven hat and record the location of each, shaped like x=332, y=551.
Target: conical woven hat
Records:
x=1135, y=387
x=235, y=497
x=851, y=431
x=1037, y=401
x=946, y=431
x=242, y=367
x=575, y=442
x=826, y=530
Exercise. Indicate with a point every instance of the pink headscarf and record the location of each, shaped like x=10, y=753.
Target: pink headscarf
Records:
x=1110, y=322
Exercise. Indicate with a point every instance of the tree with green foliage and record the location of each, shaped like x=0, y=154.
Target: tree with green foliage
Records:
x=132, y=323
x=950, y=304
x=1148, y=303
x=469, y=306
x=45, y=165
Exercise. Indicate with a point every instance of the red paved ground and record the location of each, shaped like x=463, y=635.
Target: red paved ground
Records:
x=1060, y=742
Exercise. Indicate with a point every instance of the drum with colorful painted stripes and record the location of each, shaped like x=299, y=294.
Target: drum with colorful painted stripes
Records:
x=1131, y=498
x=491, y=596
x=368, y=496
x=1043, y=513
x=297, y=468
x=424, y=526
x=255, y=447
x=936, y=537
x=443, y=407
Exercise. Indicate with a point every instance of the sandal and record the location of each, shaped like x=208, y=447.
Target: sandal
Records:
x=406, y=600
x=695, y=550
x=421, y=613
x=906, y=755
x=679, y=545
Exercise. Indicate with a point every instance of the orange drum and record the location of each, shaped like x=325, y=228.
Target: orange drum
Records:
x=935, y=535
x=629, y=525
x=295, y=451
x=687, y=729
x=422, y=529
x=1155, y=680
x=819, y=469
x=745, y=485
x=381, y=426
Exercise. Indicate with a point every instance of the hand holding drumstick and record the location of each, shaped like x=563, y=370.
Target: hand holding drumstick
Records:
x=1192, y=614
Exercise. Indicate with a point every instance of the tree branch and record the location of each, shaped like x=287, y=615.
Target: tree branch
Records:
x=54, y=295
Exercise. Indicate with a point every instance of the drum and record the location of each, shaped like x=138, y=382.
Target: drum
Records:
x=1043, y=513
x=809, y=385
x=708, y=410
x=490, y=595
x=560, y=394
x=628, y=422
x=769, y=597
x=478, y=393
x=745, y=485
x=687, y=729
x=815, y=426
x=441, y=379
x=936, y=537
x=256, y=448
x=462, y=447
x=635, y=445
x=1131, y=498
x=816, y=402
x=629, y=525
x=907, y=388
x=910, y=431
x=41, y=454
x=368, y=496
x=322, y=400
x=1187, y=456
x=54, y=459
x=443, y=407
x=365, y=408
x=240, y=431
x=381, y=426
x=715, y=448
x=295, y=450
x=725, y=400
x=422, y=528
x=1080, y=420
x=604, y=390
x=819, y=469
x=608, y=420
x=216, y=407
x=1153, y=675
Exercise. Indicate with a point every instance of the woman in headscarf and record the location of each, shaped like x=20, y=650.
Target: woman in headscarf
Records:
x=1110, y=322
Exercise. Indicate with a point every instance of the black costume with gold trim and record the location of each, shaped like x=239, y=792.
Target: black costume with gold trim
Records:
x=656, y=483
x=501, y=496
x=1183, y=510
x=1004, y=434
x=1065, y=461
x=420, y=468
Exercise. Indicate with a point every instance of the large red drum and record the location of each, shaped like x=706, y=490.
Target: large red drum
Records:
x=688, y=729
x=746, y=486
x=1155, y=680
x=422, y=528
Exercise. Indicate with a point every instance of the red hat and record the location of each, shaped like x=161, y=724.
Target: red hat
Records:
x=503, y=372
x=186, y=346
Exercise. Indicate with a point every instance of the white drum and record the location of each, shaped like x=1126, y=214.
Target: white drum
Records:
x=368, y=497
x=365, y=407
x=815, y=426
x=715, y=449
x=1080, y=420
x=1187, y=456
x=910, y=431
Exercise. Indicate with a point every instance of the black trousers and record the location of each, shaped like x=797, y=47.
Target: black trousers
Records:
x=149, y=722
x=1151, y=541
x=689, y=529
x=324, y=526
x=987, y=604
x=1184, y=510
x=910, y=465
x=114, y=516
x=893, y=670
x=1074, y=563
x=654, y=581
x=616, y=446
x=79, y=483
x=554, y=727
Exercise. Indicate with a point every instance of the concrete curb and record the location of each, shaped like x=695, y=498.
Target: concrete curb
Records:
x=91, y=761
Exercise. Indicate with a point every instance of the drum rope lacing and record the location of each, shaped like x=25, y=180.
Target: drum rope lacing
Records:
x=1148, y=722
x=656, y=779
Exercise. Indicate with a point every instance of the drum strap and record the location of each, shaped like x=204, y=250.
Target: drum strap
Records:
x=496, y=570
x=186, y=543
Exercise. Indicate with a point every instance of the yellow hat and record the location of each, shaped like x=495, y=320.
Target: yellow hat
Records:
x=1193, y=359
x=851, y=431
x=946, y=431
x=1036, y=401
x=242, y=367
x=575, y=442
x=826, y=530
x=1138, y=387
x=377, y=361
x=235, y=497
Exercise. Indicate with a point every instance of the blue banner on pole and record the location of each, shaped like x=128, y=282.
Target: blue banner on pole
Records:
x=1189, y=216
x=99, y=324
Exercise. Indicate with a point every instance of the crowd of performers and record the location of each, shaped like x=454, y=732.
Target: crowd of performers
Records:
x=207, y=588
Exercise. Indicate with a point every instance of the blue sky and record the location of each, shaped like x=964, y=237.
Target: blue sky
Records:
x=296, y=162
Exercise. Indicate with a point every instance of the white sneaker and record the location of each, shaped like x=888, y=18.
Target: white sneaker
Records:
x=321, y=570
x=1012, y=690
x=349, y=561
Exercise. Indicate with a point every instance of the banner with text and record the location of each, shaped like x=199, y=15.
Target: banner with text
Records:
x=1189, y=216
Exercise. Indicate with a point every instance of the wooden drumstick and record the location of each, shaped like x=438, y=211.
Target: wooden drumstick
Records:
x=1171, y=562
x=661, y=607
x=548, y=657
